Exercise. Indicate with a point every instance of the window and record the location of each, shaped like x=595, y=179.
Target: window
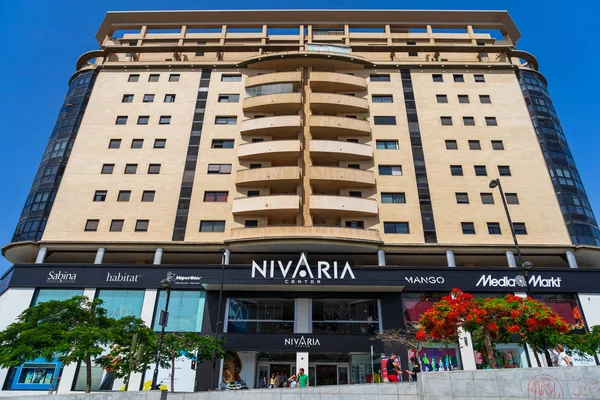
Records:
x=124, y=195
x=133, y=78
x=116, y=225
x=387, y=144
x=143, y=120
x=200, y=53
x=474, y=145
x=485, y=99
x=255, y=315
x=225, y=120
x=160, y=143
x=114, y=143
x=494, y=228
x=382, y=98
x=497, y=145
x=468, y=228
x=519, y=228
x=345, y=317
x=354, y=166
x=131, y=168
x=148, y=98
x=212, y=226
x=480, y=170
x=231, y=78
x=100, y=195
x=257, y=140
x=380, y=78
x=355, y=224
x=512, y=198
x=355, y=193
x=437, y=78
x=352, y=140
x=222, y=144
x=169, y=98
x=219, y=169
x=215, y=197
x=141, y=225
x=229, y=98
x=120, y=303
x=250, y=223
x=462, y=198
x=255, y=166
x=148, y=196
x=107, y=168
x=121, y=120
x=154, y=169
x=189, y=313
x=441, y=98
x=491, y=121
x=153, y=78
x=91, y=225
x=395, y=170
x=137, y=143
x=463, y=98
x=469, y=121
x=127, y=98
x=253, y=193
x=458, y=78
x=164, y=120
x=487, y=198
x=384, y=120
x=479, y=78
x=174, y=78
x=393, y=198
x=395, y=227
x=446, y=120
x=451, y=145
x=504, y=170
x=456, y=170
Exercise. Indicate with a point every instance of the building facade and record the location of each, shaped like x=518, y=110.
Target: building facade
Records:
x=304, y=179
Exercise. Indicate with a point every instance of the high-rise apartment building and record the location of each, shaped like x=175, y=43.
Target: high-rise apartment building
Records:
x=303, y=179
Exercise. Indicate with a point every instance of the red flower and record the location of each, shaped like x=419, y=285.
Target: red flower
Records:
x=493, y=327
x=514, y=329
x=421, y=335
x=515, y=313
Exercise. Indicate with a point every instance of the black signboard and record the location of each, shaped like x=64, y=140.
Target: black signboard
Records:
x=301, y=342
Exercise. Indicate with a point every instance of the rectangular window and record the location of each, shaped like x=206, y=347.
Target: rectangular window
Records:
x=215, y=197
x=352, y=140
x=469, y=121
x=100, y=195
x=487, y=198
x=446, y=120
x=494, y=228
x=174, y=78
x=225, y=120
x=222, y=144
x=468, y=228
x=154, y=169
x=463, y=98
x=164, y=120
x=497, y=145
x=116, y=225
x=512, y=198
x=485, y=99
x=256, y=315
x=137, y=143
x=441, y=98
x=519, y=228
x=229, y=98
x=354, y=166
x=153, y=77
x=143, y=120
x=107, y=168
x=451, y=145
x=395, y=227
x=387, y=144
x=456, y=170
x=480, y=170
x=169, y=98
x=355, y=193
x=345, y=317
x=393, y=198
x=141, y=225
x=253, y=193
x=479, y=78
x=255, y=165
x=458, y=78
x=395, y=170
x=121, y=120
x=148, y=196
x=118, y=304
x=124, y=195
x=462, y=198
x=491, y=121
x=114, y=143
x=382, y=98
x=127, y=98
x=219, y=169
x=437, y=78
x=160, y=143
x=148, y=98
x=231, y=78
x=91, y=225
x=384, y=120
x=200, y=53
x=189, y=313
x=133, y=78
x=130, y=168
x=212, y=226
x=257, y=140
x=355, y=224
x=504, y=170
x=251, y=223
x=380, y=78
x=474, y=145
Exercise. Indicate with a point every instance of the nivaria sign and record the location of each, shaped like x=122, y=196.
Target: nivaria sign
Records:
x=302, y=273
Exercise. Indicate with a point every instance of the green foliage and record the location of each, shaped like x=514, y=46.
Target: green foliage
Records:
x=584, y=345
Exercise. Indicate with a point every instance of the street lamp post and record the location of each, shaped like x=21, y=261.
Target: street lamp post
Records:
x=219, y=322
x=162, y=321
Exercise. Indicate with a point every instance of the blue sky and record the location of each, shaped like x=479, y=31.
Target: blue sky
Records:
x=41, y=40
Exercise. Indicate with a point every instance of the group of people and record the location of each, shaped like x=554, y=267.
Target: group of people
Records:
x=394, y=372
x=279, y=380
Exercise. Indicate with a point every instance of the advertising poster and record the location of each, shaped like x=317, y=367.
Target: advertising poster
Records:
x=436, y=359
x=185, y=376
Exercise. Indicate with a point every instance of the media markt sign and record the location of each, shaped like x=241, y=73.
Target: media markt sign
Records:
x=302, y=273
x=519, y=281
x=301, y=342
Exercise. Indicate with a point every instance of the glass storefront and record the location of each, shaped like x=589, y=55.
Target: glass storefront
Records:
x=122, y=303
x=186, y=309
x=509, y=355
x=567, y=307
x=260, y=316
x=56, y=294
x=345, y=317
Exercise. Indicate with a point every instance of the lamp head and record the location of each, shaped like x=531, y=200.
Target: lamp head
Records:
x=494, y=183
x=222, y=251
x=527, y=266
x=165, y=284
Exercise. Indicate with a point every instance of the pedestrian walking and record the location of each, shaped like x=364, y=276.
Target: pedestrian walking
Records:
x=562, y=358
x=272, y=381
x=392, y=368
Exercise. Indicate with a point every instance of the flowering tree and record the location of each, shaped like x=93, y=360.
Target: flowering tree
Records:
x=412, y=337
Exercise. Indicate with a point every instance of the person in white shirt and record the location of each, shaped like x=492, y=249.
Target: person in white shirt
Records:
x=563, y=359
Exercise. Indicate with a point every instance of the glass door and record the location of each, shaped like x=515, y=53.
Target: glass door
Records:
x=312, y=376
x=342, y=375
x=262, y=377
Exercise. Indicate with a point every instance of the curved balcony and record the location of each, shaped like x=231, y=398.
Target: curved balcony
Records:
x=304, y=232
x=271, y=176
x=336, y=82
x=342, y=205
x=277, y=77
x=331, y=126
x=337, y=103
x=276, y=126
x=327, y=178
x=274, y=150
x=273, y=103
x=275, y=206
x=338, y=150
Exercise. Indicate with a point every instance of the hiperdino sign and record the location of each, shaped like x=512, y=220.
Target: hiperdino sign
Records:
x=302, y=273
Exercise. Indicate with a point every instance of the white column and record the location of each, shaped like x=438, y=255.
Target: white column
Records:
x=450, y=258
x=381, y=258
x=41, y=256
x=226, y=256
x=302, y=361
x=303, y=316
x=510, y=257
x=571, y=259
x=158, y=253
x=467, y=356
x=147, y=312
x=99, y=255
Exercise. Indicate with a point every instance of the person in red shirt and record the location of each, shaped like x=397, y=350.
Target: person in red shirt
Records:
x=392, y=368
